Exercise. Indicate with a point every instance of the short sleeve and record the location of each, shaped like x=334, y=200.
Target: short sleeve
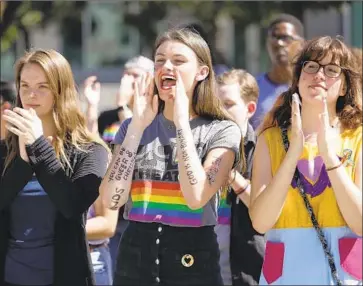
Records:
x=121, y=133
x=228, y=135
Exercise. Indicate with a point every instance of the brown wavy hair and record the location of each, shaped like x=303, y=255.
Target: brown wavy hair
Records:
x=205, y=102
x=348, y=107
x=71, y=127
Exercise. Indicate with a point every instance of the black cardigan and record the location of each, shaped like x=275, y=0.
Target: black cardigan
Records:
x=72, y=191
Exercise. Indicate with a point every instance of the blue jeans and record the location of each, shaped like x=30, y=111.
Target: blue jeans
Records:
x=115, y=241
x=102, y=265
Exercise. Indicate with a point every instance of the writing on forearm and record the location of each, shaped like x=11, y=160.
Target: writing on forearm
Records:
x=185, y=157
x=122, y=167
x=120, y=174
x=212, y=172
x=130, y=166
x=115, y=199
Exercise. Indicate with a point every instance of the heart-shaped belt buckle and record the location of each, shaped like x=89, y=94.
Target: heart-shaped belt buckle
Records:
x=187, y=260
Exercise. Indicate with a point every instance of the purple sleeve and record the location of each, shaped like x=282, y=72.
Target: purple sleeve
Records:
x=121, y=133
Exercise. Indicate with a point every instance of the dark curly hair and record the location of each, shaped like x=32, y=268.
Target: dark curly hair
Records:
x=348, y=107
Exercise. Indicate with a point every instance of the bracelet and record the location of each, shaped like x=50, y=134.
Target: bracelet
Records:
x=334, y=167
x=242, y=190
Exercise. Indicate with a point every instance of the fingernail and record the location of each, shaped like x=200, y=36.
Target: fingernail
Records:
x=295, y=97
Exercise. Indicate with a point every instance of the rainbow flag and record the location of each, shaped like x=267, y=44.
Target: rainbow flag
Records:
x=110, y=132
x=162, y=202
x=224, y=210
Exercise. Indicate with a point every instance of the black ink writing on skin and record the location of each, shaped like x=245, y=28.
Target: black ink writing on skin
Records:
x=185, y=157
x=112, y=175
x=114, y=170
x=115, y=199
x=212, y=172
x=120, y=171
x=130, y=168
x=122, y=166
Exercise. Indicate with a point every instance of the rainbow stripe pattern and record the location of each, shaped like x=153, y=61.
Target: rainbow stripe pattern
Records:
x=224, y=210
x=110, y=132
x=162, y=202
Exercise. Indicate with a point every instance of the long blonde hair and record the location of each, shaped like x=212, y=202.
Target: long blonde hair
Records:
x=205, y=102
x=70, y=123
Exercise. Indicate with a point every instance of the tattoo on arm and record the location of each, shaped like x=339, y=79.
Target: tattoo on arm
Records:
x=183, y=149
x=213, y=171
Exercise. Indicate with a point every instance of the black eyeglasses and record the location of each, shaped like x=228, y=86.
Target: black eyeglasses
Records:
x=330, y=70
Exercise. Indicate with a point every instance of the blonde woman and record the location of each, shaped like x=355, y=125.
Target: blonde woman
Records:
x=170, y=161
x=50, y=177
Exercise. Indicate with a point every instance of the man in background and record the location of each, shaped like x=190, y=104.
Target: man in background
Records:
x=241, y=247
x=284, y=40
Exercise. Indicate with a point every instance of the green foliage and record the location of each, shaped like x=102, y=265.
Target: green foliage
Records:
x=19, y=16
x=9, y=37
x=26, y=14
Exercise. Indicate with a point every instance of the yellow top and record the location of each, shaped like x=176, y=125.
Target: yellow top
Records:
x=316, y=182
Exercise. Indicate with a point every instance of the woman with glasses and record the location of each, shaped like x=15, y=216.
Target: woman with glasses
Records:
x=307, y=173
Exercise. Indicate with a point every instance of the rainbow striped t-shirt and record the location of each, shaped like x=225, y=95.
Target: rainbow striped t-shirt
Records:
x=156, y=194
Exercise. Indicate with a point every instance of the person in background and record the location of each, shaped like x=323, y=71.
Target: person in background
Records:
x=7, y=101
x=307, y=173
x=50, y=177
x=170, y=162
x=284, y=38
x=109, y=122
x=358, y=53
x=100, y=227
x=241, y=247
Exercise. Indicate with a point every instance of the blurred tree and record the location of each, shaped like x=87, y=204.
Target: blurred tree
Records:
x=17, y=17
x=243, y=12
x=144, y=15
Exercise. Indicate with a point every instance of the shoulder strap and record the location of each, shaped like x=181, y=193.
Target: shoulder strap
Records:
x=314, y=221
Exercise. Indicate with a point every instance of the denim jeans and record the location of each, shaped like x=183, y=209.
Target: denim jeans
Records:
x=115, y=241
x=102, y=265
x=223, y=237
x=156, y=254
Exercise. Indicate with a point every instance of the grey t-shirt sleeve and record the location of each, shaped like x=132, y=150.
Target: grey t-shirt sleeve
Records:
x=228, y=135
x=121, y=133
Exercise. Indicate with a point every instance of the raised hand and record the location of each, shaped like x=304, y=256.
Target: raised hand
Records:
x=92, y=90
x=126, y=90
x=181, y=100
x=297, y=136
x=145, y=102
x=24, y=123
x=328, y=138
